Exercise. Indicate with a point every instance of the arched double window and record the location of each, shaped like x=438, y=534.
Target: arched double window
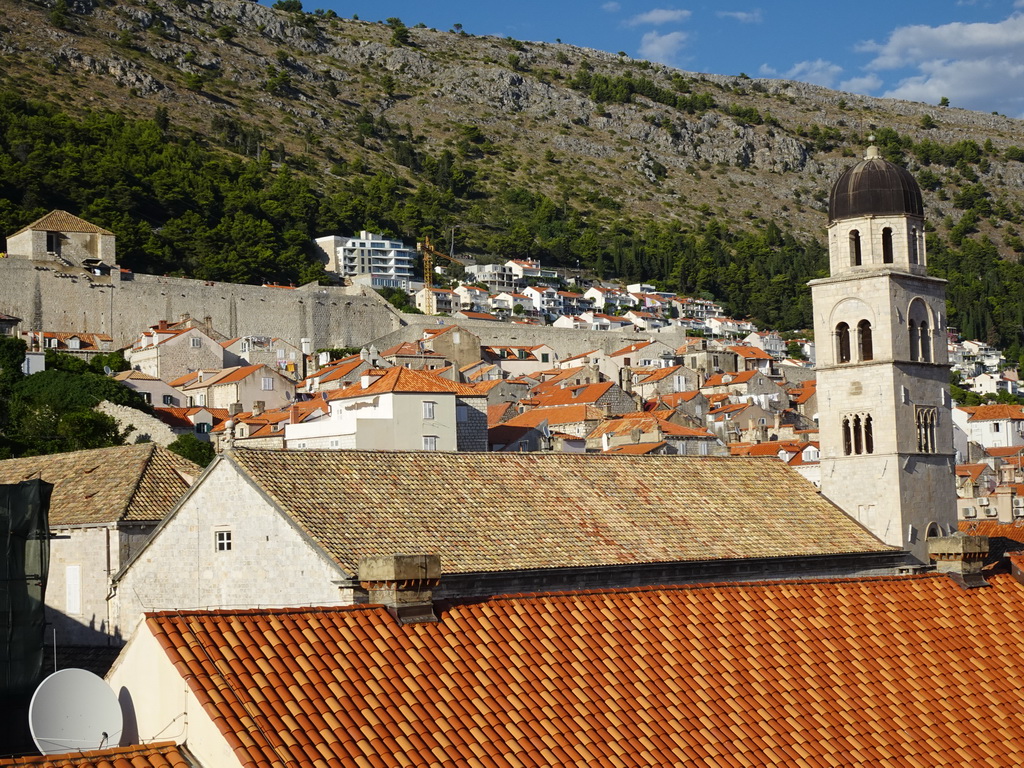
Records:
x=926, y=418
x=887, y=245
x=864, y=340
x=855, y=256
x=842, y=343
x=912, y=242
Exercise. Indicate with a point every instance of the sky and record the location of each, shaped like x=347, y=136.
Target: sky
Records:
x=969, y=51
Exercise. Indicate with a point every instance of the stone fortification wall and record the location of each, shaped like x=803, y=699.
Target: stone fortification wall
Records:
x=57, y=298
x=565, y=341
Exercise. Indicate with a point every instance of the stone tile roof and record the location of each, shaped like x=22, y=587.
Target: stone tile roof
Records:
x=898, y=671
x=157, y=755
x=521, y=511
x=62, y=221
x=637, y=449
x=107, y=485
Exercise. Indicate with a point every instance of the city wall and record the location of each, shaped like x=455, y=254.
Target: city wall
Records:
x=54, y=297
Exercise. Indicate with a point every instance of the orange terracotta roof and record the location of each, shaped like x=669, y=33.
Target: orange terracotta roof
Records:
x=1000, y=412
x=559, y=414
x=406, y=380
x=1002, y=537
x=165, y=754
x=577, y=395
x=769, y=448
x=972, y=471
x=645, y=422
x=750, y=353
x=631, y=348
x=182, y=418
x=899, y=671
x=496, y=414
x=660, y=374
x=1003, y=452
x=739, y=377
x=338, y=370
x=107, y=485
x=508, y=512
x=229, y=375
x=469, y=315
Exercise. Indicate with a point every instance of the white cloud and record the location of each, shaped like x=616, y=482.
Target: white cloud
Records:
x=744, y=17
x=818, y=72
x=658, y=16
x=662, y=48
x=611, y=7
x=977, y=66
x=865, y=84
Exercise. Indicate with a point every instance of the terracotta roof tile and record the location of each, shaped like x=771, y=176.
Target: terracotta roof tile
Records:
x=997, y=412
x=562, y=414
x=62, y=221
x=399, y=379
x=512, y=511
x=908, y=671
x=158, y=755
x=105, y=485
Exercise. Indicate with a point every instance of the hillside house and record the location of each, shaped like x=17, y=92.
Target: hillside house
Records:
x=168, y=353
x=64, y=238
x=82, y=345
x=151, y=389
x=270, y=351
x=397, y=409
x=246, y=386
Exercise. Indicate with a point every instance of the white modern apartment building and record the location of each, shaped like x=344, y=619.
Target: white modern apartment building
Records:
x=368, y=259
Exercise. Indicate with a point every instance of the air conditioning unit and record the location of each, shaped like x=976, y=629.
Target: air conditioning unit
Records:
x=970, y=512
x=991, y=512
x=1018, y=511
x=983, y=502
x=1018, y=502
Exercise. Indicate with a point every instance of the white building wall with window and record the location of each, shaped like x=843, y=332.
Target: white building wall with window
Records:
x=370, y=258
x=270, y=562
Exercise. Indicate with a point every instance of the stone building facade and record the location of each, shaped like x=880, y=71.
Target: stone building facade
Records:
x=883, y=376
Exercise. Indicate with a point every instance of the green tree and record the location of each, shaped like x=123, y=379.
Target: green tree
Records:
x=944, y=102
x=292, y=6
x=192, y=448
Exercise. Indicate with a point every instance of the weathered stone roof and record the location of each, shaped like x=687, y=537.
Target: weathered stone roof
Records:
x=494, y=511
x=107, y=485
x=62, y=221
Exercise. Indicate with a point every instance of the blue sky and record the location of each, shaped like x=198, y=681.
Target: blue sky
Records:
x=970, y=51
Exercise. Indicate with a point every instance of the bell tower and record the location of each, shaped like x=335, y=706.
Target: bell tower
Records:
x=885, y=421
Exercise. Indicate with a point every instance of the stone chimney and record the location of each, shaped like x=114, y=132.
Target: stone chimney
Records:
x=234, y=409
x=961, y=557
x=258, y=406
x=404, y=584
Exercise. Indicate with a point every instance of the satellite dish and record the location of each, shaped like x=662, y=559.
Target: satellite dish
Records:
x=106, y=370
x=74, y=710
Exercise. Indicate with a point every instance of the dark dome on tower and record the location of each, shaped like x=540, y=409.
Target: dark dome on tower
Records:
x=874, y=187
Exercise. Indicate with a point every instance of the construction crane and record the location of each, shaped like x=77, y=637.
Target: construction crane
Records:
x=429, y=253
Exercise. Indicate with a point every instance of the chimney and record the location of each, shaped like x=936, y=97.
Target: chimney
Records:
x=234, y=409
x=404, y=584
x=258, y=406
x=162, y=325
x=961, y=557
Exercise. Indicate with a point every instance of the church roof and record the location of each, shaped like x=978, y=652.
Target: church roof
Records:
x=874, y=186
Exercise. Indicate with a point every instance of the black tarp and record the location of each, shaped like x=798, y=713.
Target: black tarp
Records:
x=24, y=567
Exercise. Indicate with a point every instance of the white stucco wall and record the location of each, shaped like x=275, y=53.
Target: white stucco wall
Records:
x=269, y=564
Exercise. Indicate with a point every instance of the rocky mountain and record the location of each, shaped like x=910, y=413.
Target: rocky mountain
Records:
x=611, y=141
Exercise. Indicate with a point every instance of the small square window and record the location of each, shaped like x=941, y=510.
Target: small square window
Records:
x=429, y=442
x=168, y=399
x=195, y=342
x=222, y=540
x=428, y=409
x=267, y=384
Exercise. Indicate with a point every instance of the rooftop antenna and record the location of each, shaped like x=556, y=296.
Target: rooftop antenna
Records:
x=74, y=710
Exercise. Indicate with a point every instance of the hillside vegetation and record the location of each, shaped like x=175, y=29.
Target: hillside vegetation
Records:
x=217, y=139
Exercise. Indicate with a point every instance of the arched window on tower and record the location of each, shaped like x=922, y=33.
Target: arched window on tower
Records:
x=842, y=343
x=917, y=329
x=858, y=435
x=915, y=341
x=869, y=436
x=847, y=437
x=855, y=259
x=864, y=340
x=912, y=242
x=887, y=245
x=926, y=344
